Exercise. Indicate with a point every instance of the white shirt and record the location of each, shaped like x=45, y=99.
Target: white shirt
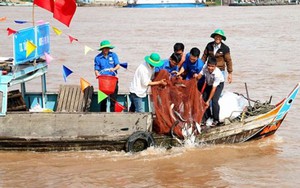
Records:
x=216, y=48
x=214, y=78
x=142, y=77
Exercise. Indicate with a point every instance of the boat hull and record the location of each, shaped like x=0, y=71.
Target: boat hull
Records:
x=48, y=131
x=70, y=131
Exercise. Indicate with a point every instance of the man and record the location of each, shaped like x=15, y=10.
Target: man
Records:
x=192, y=66
x=220, y=51
x=171, y=64
x=214, y=85
x=142, y=80
x=107, y=63
x=179, y=51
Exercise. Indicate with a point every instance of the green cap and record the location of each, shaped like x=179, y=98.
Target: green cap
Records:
x=154, y=60
x=105, y=44
x=218, y=32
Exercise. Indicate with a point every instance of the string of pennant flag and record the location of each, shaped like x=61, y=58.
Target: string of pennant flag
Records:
x=30, y=47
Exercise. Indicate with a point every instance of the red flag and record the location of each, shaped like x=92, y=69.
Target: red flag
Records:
x=10, y=31
x=63, y=10
x=46, y=4
x=72, y=39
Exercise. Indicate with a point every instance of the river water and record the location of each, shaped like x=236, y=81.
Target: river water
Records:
x=264, y=43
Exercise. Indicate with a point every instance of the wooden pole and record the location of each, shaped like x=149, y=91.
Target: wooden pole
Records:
x=248, y=98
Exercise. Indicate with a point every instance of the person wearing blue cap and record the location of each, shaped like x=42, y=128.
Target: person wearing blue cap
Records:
x=142, y=80
x=107, y=63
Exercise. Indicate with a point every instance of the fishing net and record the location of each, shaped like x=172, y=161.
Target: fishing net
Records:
x=177, y=105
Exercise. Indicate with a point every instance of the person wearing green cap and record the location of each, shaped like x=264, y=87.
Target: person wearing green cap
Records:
x=142, y=80
x=220, y=51
x=107, y=63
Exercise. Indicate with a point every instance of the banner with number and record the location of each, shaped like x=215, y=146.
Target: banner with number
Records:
x=38, y=35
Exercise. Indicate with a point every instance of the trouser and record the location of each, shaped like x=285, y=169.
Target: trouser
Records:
x=113, y=98
x=136, y=103
x=214, y=102
x=201, y=83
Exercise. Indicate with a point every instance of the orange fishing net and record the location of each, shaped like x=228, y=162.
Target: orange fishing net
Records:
x=176, y=105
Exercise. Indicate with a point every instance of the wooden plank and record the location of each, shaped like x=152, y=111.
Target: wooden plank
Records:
x=59, y=98
x=69, y=99
x=17, y=108
x=88, y=93
x=65, y=98
x=15, y=101
x=73, y=101
x=80, y=102
x=76, y=99
x=79, y=95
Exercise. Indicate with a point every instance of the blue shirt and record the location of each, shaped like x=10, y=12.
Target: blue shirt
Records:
x=101, y=63
x=166, y=66
x=192, y=68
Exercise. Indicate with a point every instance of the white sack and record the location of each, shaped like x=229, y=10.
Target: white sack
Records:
x=231, y=105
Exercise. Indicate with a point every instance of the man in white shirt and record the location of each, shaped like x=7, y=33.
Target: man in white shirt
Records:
x=214, y=85
x=142, y=80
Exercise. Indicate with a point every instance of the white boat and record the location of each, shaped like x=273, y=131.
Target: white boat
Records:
x=165, y=3
x=22, y=4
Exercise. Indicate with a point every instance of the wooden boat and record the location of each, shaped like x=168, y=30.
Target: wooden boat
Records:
x=70, y=120
x=164, y=4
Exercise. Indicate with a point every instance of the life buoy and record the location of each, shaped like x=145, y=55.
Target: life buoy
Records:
x=139, y=141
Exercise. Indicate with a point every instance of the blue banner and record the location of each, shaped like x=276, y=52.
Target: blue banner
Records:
x=38, y=35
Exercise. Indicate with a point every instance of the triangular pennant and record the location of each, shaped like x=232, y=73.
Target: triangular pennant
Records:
x=40, y=22
x=87, y=49
x=72, y=39
x=84, y=84
x=10, y=31
x=20, y=21
x=66, y=72
x=124, y=65
x=2, y=19
x=119, y=107
x=57, y=31
x=48, y=57
x=101, y=96
x=30, y=47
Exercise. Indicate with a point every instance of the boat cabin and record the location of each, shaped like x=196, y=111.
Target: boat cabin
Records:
x=52, y=101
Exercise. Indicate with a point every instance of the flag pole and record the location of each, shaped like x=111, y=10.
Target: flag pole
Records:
x=33, y=24
x=33, y=13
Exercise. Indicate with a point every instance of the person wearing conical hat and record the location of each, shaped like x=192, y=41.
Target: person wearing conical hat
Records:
x=142, y=79
x=220, y=51
x=107, y=63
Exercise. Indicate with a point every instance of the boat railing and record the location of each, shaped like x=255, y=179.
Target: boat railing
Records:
x=21, y=74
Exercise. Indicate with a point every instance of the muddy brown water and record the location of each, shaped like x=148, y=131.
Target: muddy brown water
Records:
x=264, y=44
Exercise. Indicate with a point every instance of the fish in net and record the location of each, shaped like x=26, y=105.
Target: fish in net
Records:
x=178, y=105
